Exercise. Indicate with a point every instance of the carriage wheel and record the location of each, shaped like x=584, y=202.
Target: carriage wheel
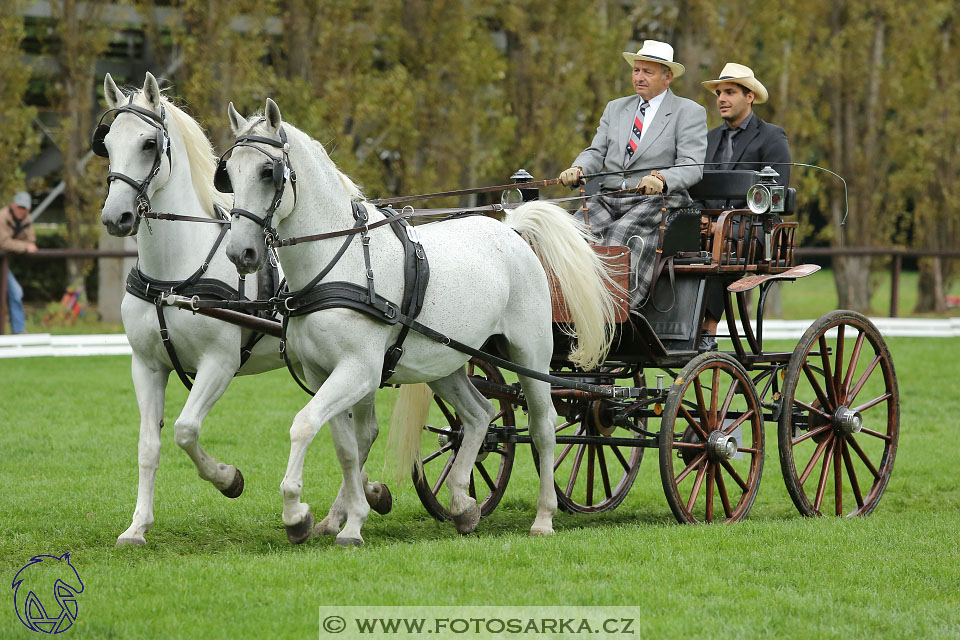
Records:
x=711, y=441
x=494, y=463
x=841, y=413
x=590, y=478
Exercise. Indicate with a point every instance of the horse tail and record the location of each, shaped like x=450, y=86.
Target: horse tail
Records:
x=406, y=426
x=562, y=244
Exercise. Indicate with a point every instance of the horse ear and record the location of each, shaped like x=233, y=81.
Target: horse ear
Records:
x=111, y=92
x=151, y=90
x=237, y=122
x=272, y=112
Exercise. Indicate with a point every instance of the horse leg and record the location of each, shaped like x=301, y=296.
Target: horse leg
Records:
x=212, y=380
x=150, y=386
x=347, y=385
x=377, y=494
x=475, y=411
x=542, y=422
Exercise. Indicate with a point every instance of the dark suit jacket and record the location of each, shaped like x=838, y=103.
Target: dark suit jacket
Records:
x=759, y=142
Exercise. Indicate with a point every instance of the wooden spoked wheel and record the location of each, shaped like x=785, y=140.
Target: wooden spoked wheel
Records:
x=711, y=441
x=440, y=445
x=840, y=421
x=590, y=478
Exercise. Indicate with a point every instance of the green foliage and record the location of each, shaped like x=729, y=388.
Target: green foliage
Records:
x=17, y=138
x=213, y=564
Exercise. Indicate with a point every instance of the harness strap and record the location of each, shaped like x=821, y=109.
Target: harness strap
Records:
x=286, y=358
x=185, y=378
x=347, y=295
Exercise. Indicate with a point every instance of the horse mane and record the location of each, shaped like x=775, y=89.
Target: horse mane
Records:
x=353, y=190
x=200, y=155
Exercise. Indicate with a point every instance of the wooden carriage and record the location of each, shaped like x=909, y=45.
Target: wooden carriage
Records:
x=833, y=399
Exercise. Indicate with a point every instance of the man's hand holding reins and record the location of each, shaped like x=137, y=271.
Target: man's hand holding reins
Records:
x=571, y=177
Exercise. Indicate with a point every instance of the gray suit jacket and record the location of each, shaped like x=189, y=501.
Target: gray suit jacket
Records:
x=677, y=135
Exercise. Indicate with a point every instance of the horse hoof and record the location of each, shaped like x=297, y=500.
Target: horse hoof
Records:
x=541, y=531
x=467, y=521
x=385, y=502
x=130, y=541
x=300, y=533
x=348, y=542
x=236, y=487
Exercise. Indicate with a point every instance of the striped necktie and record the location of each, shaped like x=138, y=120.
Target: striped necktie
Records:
x=635, y=131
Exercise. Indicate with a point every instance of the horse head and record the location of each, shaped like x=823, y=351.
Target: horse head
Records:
x=257, y=170
x=137, y=144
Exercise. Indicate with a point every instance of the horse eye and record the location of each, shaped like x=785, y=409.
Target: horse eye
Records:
x=266, y=173
x=149, y=144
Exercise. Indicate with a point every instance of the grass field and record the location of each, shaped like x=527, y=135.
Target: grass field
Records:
x=215, y=567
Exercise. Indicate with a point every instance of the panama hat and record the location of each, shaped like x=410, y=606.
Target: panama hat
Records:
x=739, y=74
x=655, y=51
x=22, y=200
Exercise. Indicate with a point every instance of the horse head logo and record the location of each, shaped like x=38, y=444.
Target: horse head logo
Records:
x=43, y=581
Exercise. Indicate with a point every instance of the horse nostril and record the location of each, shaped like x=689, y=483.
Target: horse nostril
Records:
x=248, y=257
x=126, y=219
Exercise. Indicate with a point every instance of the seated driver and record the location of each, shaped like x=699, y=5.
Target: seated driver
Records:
x=648, y=134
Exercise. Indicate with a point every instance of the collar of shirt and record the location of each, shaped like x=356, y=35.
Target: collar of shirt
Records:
x=651, y=112
x=743, y=125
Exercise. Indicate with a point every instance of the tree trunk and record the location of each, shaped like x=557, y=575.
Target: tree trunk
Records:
x=931, y=294
x=852, y=277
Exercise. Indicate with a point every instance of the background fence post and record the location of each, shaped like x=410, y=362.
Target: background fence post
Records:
x=895, y=284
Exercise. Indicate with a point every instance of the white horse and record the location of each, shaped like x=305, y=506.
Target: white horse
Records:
x=171, y=251
x=484, y=281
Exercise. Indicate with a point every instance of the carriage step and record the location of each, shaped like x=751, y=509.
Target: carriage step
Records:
x=749, y=282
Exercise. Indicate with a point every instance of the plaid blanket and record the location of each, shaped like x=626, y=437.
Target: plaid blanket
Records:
x=633, y=221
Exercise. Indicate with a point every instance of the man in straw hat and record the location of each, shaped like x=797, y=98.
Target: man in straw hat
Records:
x=16, y=235
x=659, y=141
x=743, y=141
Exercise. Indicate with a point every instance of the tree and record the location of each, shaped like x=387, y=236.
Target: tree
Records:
x=17, y=137
x=82, y=38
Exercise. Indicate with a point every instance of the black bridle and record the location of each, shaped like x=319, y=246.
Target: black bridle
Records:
x=282, y=172
x=158, y=122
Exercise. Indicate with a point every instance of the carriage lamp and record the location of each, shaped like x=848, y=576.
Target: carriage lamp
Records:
x=518, y=195
x=767, y=197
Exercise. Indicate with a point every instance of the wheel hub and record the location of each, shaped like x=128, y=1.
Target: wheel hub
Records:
x=721, y=446
x=847, y=421
x=601, y=419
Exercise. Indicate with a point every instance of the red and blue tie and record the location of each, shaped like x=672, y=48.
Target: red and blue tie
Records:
x=635, y=131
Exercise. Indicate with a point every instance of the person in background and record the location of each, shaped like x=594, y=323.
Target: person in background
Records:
x=17, y=236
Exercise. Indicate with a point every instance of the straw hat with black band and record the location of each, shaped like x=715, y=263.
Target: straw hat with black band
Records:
x=739, y=74
x=655, y=51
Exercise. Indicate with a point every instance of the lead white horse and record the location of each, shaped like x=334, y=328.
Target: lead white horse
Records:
x=171, y=251
x=484, y=281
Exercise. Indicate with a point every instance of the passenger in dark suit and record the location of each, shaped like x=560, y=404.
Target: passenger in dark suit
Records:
x=743, y=141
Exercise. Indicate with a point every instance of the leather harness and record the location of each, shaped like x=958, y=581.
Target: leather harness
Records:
x=154, y=291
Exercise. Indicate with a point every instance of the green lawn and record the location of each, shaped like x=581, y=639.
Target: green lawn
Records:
x=218, y=567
